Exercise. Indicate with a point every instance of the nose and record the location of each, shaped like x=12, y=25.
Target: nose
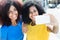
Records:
x=34, y=14
x=14, y=12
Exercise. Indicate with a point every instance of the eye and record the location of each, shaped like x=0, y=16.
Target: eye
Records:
x=15, y=9
x=9, y=11
x=34, y=10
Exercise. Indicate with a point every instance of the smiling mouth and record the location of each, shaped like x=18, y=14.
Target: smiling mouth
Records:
x=14, y=16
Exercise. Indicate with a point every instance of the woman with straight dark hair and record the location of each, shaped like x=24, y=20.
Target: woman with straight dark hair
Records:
x=11, y=18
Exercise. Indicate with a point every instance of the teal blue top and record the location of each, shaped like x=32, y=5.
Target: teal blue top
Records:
x=3, y=33
x=12, y=32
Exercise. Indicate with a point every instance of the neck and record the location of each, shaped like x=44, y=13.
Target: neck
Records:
x=33, y=23
x=14, y=23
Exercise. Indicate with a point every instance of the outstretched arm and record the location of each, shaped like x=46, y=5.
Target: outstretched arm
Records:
x=54, y=22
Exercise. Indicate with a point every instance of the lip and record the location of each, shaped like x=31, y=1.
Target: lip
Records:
x=33, y=16
x=14, y=16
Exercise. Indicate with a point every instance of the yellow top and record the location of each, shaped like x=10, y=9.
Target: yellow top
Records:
x=37, y=32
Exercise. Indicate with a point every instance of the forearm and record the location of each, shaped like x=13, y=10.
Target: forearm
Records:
x=55, y=29
x=54, y=23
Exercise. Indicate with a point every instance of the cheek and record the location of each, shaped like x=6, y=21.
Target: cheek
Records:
x=16, y=13
x=37, y=13
x=30, y=16
x=10, y=15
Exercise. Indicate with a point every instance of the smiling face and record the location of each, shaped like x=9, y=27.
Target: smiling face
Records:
x=13, y=13
x=33, y=12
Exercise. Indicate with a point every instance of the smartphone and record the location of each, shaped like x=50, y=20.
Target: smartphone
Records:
x=42, y=19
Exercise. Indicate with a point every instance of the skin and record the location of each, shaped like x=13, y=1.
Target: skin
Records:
x=34, y=12
x=13, y=14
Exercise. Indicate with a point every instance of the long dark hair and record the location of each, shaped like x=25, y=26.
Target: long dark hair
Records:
x=6, y=8
x=25, y=11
